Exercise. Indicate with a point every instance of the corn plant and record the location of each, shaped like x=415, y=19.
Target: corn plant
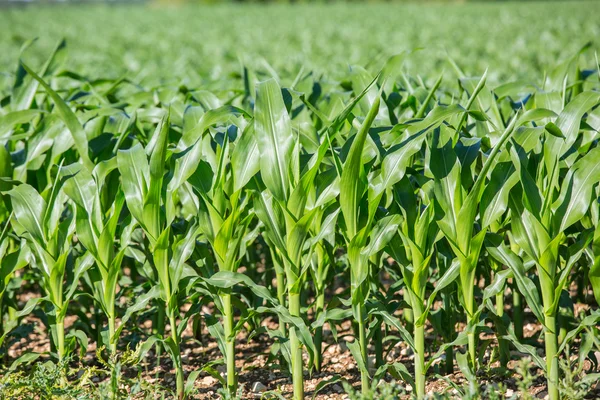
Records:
x=167, y=251
x=542, y=211
x=413, y=250
x=282, y=207
x=97, y=231
x=224, y=215
x=459, y=202
x=388, y=208
x=49, y=235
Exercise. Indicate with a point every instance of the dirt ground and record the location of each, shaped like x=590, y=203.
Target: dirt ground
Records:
x=259, y=372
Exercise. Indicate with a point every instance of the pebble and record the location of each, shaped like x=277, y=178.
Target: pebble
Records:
x=542, y=395
x=258, y=387
x=337, y=388
x=335, y=360
x=208, y=380
x=509, y=392
x=406, y=351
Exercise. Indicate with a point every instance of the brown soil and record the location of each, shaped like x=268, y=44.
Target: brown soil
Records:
x=255, y=365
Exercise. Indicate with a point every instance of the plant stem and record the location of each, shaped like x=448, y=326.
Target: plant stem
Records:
x=449, y=365
x=111, y=332
x=419, y=333
x=320, y=306
x=378, y=339
x=159, y=329
x=60, y=337
x=517, y=313
x=177, y=356
x=468, y=285
x=281, y=292
x=296, y=350
x=502, y=343
x=229, y=343
x=362, y=337
x=407, y=312
x=551, y=342
x=472, y=347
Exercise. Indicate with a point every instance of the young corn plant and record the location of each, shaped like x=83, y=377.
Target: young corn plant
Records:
x=143, y=173
x=413, y=250
x=555, y=191
x=458, y=197
x=282, y=208
x=361, y=192
x=97, y=230
x=12, y=259
x=48, y=228
x=224, y=215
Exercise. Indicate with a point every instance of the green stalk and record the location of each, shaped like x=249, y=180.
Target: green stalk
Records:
x=378, y=341
x=449, y=364
x=472, y=346
x=517, y=313
x=296, y=350
x=468, y=286
x=159, y=329
x=362, y=341
x=281, y=292
x=60, y=337
x=111, y=332
x=407, y=312
x=229, y=343
x=1, y=315
x=177, y=358
x=320, y=306
x=551, y=342
x=502, y=343
x=419, y=333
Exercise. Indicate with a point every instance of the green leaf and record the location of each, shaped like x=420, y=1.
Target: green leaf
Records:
x=273, y=132
x=352, y=184
x=69, y=118
x=135, y=174
x=576, y=193
x=29, y=208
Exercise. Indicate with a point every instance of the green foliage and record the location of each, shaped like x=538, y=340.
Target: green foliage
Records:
x=382, y=201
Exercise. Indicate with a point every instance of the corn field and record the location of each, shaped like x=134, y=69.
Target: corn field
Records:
x=451, y=218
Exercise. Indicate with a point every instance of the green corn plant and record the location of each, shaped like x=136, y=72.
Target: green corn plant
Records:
x=494, y=203
x=593, y=253
x=143, y=181
x=12, y=259
x=39, y=219
x=555, y=192
x=413, y=250
x=458, y=197
x=321, y=266
x=97, y=231
x=353, y=185
x=224, y=215
x=360, y=197
x=282, y=208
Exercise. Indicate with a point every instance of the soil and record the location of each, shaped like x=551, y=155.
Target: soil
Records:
x=259, y=371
